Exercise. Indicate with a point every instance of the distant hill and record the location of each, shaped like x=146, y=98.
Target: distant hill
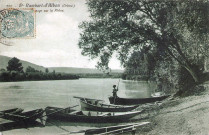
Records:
x=4, y=62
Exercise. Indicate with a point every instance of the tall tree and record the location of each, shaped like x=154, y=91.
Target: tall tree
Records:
x=141, y=62
x=174, y=28
x=15, y=65
x=30, y=69
x=47, y=70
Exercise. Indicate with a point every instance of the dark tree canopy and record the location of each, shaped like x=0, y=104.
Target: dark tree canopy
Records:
x=2, y=69
x=177, y=29
x=30, y=69
x=47, y=70
x=142, y=62
x=15, y=65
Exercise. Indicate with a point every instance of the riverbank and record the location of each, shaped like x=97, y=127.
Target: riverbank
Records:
x=183, y=116
x=14, y=76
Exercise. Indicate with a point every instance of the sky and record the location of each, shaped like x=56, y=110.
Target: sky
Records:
x=57, y=35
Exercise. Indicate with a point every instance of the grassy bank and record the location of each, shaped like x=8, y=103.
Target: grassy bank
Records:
x=183, y=116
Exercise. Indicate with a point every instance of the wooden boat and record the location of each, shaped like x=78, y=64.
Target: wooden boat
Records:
x=88, y=116
x=25, y=116
x=131, y=127
x=134, y=101
x=11, y=111
x=15, y=118
x=95, y=105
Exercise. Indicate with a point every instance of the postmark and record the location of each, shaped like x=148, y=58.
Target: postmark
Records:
x=17, y=23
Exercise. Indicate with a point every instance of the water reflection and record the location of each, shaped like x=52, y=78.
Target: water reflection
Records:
x=39, y=94
x=15, y=87
x=136, y=89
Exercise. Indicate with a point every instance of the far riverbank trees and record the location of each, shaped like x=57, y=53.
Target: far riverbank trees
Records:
x=15, y=73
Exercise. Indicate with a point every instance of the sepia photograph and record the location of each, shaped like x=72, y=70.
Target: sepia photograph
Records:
x=104, y=67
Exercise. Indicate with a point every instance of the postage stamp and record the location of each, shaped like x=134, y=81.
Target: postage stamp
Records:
x=17, y=23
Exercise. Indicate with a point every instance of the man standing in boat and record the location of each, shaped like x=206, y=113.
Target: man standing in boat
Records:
x=115, y=90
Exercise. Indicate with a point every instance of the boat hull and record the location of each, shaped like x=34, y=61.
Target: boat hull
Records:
x=18, y=119
x=97, y=117
x=134, y=101
x=89, y=106
x=11, y=111
x=25, y=116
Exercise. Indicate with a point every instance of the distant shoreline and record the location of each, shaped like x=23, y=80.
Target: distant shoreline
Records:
x=20, y=77
x=14, y=76
x=37, y=80
x=62, y=79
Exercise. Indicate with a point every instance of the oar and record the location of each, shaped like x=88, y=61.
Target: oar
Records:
x=59, y=110
x=118, y=84
x=87, y=98
x=94, y=129
x=16, y=115
x=81, y=131
x=132, y=127
x=11, y=111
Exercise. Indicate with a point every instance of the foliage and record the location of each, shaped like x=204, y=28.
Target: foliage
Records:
x=14, y=65
x=124, y=26
x=16, y=73
x=141, y=63
x=34, y=76
x=47, y=70
x=31, y=69
x=147, y=65
x=2, y=69
x=175, y=33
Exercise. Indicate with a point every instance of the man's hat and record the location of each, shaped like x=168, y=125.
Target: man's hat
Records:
x=114, y=85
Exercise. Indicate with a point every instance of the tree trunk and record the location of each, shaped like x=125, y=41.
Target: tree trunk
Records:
x=193, y=74
x=205, y=77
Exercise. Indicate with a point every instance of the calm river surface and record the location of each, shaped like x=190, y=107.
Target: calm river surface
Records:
x=40, y=94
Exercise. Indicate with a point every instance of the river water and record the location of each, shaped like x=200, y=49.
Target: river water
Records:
x=31, y=95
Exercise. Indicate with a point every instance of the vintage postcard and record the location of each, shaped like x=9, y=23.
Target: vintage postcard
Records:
x=104, y=67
